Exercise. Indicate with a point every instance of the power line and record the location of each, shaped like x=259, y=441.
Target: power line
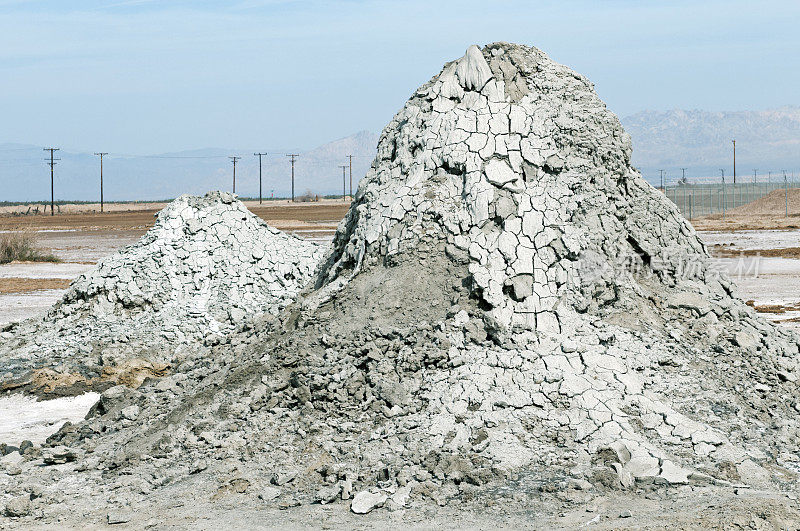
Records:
x=259, y=155
x=175, y=156
x=28, y=161
x=293, y=158
x=101, y=179
x=786, y=192
x=52, y=164
x=234, y=159
x=18, y=149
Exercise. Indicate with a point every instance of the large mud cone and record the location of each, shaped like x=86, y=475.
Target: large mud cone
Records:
x=617, y=351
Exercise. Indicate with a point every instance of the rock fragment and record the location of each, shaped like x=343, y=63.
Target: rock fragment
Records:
x=59, y=455
x=18, y=507
x=366, y=501
x=117, y=517
x=269, y=493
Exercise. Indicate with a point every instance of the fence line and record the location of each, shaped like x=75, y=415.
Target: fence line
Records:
x=695, y=200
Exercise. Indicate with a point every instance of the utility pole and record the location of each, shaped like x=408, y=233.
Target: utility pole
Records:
x=52, y=164
x=723, y=193
x=786, y=193
x=234, y=159
x=293, y=158
x=662, y=179
x=101, y=179
x=734, y=163
x=344, y=182
x=259, y=155
x=755, y=175
x=683, y=185
x=351, y=176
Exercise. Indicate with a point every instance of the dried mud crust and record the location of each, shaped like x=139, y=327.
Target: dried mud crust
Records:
x=581, y=270
x=360, y=388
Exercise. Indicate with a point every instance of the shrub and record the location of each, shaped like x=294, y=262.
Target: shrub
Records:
x=22, y=246
x=308, y=197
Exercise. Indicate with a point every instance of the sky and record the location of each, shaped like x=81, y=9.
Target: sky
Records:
x=156, y=76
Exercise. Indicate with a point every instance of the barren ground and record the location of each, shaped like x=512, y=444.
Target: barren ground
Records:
x=691, y=508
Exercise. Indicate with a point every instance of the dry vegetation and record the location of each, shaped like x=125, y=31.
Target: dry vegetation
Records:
x=307, y=197
x=21, y=246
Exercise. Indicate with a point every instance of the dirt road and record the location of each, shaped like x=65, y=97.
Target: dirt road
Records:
x=282, y=215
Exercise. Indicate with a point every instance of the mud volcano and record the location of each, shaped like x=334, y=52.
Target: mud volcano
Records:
x=595, y=340
x=507, y=308
x=207, y=267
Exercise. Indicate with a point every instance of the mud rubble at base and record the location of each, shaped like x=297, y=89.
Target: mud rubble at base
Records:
x=507, y=312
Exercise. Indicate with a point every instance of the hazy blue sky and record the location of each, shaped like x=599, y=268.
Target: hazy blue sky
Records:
x=143, y=76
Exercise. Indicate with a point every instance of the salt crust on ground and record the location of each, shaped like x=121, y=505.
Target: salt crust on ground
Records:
x=24, y=418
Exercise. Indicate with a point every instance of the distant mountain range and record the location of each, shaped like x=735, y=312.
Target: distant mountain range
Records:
x=697, y=140
x=25, y=176
x=701, y=142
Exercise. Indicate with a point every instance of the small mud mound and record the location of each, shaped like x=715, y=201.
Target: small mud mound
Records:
x=207, y=267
